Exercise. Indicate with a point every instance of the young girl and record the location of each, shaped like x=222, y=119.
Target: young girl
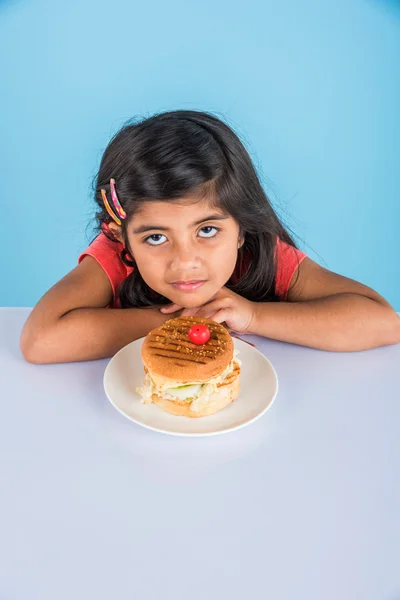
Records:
x=186, y=228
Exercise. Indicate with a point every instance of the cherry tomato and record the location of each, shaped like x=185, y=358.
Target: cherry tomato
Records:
x=199, y=334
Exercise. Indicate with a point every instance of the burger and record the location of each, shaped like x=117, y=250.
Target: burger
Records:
x=191, y=368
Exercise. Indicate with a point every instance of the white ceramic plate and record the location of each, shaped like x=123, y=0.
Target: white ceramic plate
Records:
x=258, y=389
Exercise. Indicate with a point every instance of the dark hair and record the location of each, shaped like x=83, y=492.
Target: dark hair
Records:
x=184, y=153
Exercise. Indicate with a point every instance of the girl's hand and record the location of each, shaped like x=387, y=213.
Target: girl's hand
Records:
x=226, y=306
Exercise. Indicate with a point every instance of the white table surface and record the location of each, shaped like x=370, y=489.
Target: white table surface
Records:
x=303, y=504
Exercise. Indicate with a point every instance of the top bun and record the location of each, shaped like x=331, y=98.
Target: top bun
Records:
x=169, y=353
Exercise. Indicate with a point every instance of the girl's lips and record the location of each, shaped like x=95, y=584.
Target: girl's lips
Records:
x=188, y=286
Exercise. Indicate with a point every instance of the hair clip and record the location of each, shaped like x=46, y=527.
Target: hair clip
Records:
x=118, y=208
x=108, y=207
x=114, y=197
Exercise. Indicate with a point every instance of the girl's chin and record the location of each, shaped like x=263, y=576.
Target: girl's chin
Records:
x=191, y=300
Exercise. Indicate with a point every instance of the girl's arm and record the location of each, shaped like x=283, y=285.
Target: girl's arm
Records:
x=324, y=311
x=328, y=312
x=72, y=322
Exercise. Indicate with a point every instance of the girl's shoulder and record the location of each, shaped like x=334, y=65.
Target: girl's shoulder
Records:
x=107, y=252
x=287, y=260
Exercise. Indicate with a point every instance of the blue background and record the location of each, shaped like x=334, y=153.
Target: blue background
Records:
x=312, y=87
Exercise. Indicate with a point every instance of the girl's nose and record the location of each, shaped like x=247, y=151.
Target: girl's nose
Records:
x=185, y=259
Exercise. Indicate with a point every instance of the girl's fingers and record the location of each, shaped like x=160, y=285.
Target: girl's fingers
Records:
x=170, y=308
x=208, y=310
x=221, y=315
x=190, y=312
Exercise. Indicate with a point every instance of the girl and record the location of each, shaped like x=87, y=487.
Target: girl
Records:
x=186, y=228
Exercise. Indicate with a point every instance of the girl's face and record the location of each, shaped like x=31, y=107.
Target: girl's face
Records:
x=185, y=251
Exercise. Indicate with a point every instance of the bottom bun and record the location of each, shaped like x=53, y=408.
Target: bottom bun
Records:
x=224, y=395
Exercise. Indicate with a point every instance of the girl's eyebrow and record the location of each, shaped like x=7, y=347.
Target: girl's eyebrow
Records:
x=144, y=228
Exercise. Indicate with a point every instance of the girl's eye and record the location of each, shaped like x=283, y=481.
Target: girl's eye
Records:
x=155, y=239
x=208, y=231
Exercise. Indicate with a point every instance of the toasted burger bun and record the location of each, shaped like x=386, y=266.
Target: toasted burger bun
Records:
x=168, y=351
x=224, y=395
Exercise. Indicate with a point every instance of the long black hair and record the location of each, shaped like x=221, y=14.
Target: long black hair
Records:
x=182, y=153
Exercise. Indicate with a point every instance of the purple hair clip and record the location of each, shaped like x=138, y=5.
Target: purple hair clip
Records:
x=114, y=197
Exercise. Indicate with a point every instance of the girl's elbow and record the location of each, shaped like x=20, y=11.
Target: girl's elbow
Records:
x=383, y=332
x=394, y=333
x=29, y=351
x=33, y=348
x=390, y=332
